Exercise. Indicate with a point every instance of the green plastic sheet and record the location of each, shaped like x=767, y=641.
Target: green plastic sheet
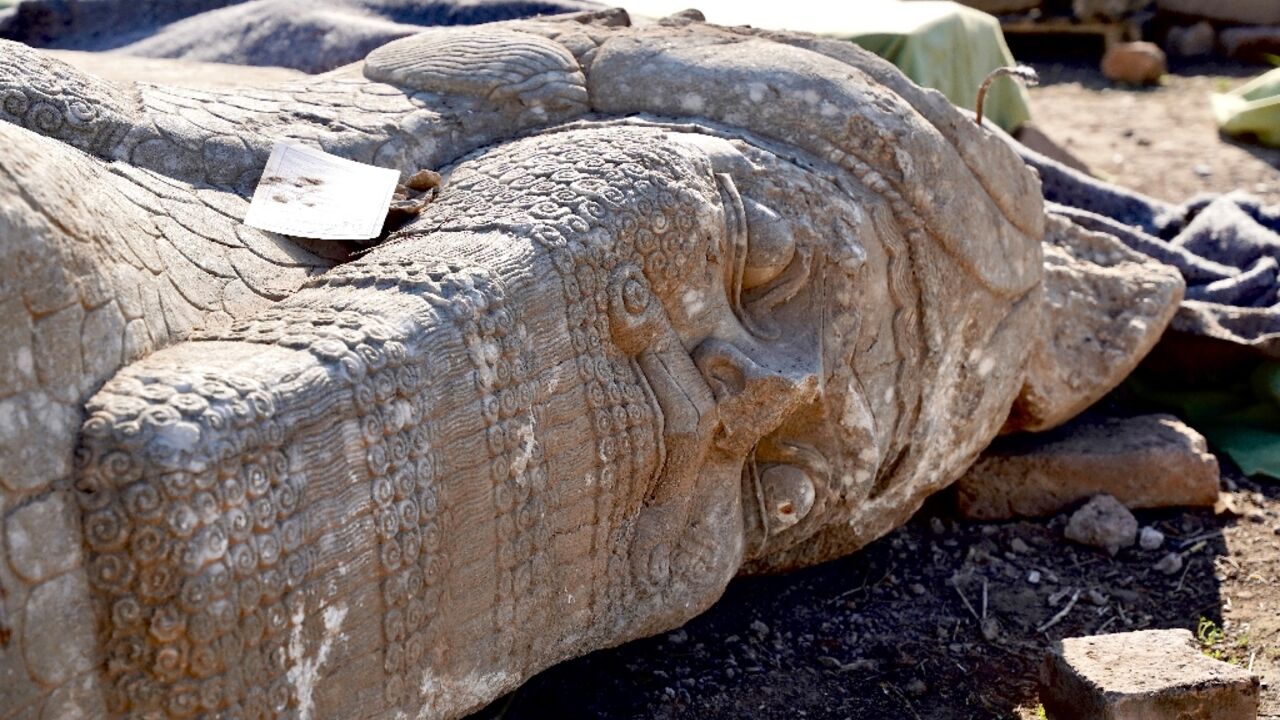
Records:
x=1239, y=416
x=948, y=47
x=1252, y=110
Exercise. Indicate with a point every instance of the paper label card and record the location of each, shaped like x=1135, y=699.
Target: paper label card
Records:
x=309, y=193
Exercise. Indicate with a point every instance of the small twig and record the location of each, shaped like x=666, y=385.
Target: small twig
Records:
x=886, y=687
x=1106, y=624
x=1193, y=540
x=1061, y=613
x=1022, y=72
x=1185, y=570
x=1252, y=655
x=965, y=600
x=984, y=599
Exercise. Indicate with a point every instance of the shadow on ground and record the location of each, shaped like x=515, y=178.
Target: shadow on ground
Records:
x=898, y=630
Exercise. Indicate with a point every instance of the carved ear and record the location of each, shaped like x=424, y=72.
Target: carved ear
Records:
x=52, y=98
x=1105, y=306
x=516, y=70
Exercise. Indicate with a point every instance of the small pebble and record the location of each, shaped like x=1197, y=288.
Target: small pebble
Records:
x=1019, y=546
x=990, y=628
x=917, y=589
x=1033, y=577
x=1097, y=598
x=1202, y=170
x=678, y=637
x=916, y=687
x=1169, y=564
x=937, y=526
x=759, y=628
x=1150, y=538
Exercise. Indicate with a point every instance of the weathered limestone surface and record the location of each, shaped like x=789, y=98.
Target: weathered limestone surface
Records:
x=300, y=34
x=692, y=301
x=126, y=70
x=1141, y=675
x=1102, y=301
x=1144, y=462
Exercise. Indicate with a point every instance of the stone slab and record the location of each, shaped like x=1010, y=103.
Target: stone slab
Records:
x=1144, y=462
x=1245, y=12
x=1144, y=675
x=1250, y=44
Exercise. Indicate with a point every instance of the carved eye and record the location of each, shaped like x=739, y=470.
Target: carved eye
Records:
x=770, y=245
x=789, y=494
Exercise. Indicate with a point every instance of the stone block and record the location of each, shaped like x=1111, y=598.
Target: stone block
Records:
x=1192, y=40
x=1002, y=7
x=1244, y=12
x=1105, y=10
x=1144, y=675
x=1144, y=462
x=1251, y=44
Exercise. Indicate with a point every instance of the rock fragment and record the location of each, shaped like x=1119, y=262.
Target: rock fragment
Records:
x=1169, y=564
x=1135, y=63
x=1144, y=462
x=1144, y=674
x=1192, y=40
x=1103, y=523
x=1150, y=538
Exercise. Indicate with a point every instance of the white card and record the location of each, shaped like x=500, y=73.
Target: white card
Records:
x=309, y=193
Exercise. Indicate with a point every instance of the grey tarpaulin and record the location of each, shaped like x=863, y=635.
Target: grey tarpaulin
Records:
x=1227, y=248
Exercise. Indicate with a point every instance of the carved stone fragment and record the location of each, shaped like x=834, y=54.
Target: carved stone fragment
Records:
x=689, y=302
x=1144, y=674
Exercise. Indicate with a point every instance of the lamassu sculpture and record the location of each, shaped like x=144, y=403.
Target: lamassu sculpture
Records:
x=692, y=301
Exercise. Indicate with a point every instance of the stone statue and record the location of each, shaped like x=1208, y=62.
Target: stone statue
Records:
x=692, y=301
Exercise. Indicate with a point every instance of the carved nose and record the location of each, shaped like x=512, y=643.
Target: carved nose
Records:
x=755, y=389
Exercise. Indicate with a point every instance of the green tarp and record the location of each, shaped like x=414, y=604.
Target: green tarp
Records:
x=950, y=48
x=1239, y=413
x=1252, y=110
x=942, y=45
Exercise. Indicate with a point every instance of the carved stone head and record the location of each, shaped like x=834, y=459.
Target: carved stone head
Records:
x=691, y=301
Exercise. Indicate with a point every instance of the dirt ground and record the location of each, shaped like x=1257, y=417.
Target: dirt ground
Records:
x=941, y=619
x=1161, y=141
